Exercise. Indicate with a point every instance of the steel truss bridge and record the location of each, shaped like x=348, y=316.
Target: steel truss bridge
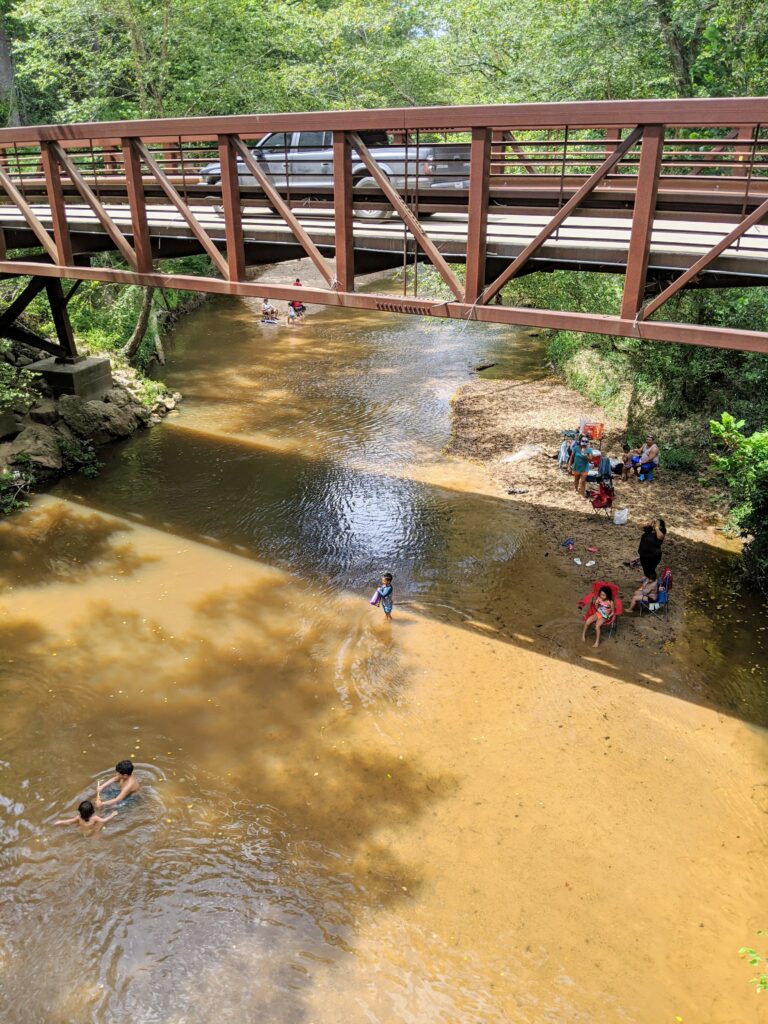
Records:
x=670, y=193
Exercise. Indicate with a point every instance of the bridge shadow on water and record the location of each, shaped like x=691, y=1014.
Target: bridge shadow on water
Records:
x=468, y=559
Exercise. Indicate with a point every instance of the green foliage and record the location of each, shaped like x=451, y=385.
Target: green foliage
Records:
x=759, y=963
x=14, y=487
x=17, y=387
x=742, y=464
x=79, y=455
x=679, y=460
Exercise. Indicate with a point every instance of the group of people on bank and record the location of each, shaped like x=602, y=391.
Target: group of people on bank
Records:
x=582, y=458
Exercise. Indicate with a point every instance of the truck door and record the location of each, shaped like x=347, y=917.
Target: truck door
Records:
x=312, y=164
x=274, y=154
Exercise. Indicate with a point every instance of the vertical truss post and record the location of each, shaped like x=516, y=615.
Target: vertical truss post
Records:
x=746, y=133
x=342, y=208
x=477, y=219
x=646, y=192
x=233, y=220
x=137, y=201
x=52, y=172
x=61, y=322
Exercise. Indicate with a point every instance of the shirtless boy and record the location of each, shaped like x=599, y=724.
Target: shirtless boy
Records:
x=86, y=819
x=124, y=778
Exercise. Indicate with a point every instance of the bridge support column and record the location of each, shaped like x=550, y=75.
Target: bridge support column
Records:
x=64, y=370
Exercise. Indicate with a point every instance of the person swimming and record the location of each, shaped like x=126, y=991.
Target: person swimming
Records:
x=86, y=819
x=129, y=785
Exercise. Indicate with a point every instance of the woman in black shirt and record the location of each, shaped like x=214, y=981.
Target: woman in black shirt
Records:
x=649, y=548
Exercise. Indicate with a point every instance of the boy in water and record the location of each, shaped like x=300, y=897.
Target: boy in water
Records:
x=128, y=785
x=385, y=592
x=86, y=819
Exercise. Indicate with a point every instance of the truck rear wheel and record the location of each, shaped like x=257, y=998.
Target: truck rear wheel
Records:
x=372, y=213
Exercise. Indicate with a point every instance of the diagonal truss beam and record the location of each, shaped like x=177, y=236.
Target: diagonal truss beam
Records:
x=562, y=214
x=284, y=210
x=509, y=140
x=411, y=222
x=703, y=262
x=195, y=226
x=91, y=199
x=10, y=328
x=29, y=216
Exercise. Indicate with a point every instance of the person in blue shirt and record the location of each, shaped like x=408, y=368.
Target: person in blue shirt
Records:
x=385, y=592
x=580, y=468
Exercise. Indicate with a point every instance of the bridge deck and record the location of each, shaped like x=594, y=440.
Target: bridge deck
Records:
x=582, y=241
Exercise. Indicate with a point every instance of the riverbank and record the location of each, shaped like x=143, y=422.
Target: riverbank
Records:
x=514, y=428
x=43, y=437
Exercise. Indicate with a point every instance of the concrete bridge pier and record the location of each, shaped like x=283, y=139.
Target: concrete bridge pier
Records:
x=64, y=370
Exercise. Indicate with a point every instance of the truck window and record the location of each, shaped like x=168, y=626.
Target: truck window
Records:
x=276, y=141
x=374, y=138
x=312, y=140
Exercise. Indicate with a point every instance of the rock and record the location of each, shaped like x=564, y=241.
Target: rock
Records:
x=40, y=443
x=118, y=396
x=177, y=396
x=97, y=421
x=24, y=360
x=120, y=422
x=168, y=402
x=154, y=419
x=141, y=412
x=85, y=419
x=44, y=411
x=7, y=423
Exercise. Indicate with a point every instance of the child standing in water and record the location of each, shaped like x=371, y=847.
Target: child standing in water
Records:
x=128, y=784
x=86, y=819
x=385, y=593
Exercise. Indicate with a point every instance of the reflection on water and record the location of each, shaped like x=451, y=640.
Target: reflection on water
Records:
x=339, y=820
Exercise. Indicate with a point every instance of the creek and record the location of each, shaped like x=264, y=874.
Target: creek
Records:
x=457, y=817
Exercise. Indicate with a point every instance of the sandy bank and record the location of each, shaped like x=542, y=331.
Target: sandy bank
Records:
x=515, y=429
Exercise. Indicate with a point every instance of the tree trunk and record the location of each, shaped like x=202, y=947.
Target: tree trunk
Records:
x=8, y=99
x=137, y=337
x=679, y=58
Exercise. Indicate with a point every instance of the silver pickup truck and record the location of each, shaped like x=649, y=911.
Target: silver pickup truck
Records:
x=303, y=161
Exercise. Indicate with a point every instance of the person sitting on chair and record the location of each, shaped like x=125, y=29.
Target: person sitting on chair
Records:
x=647, y=458
x=646, y=592
x=604, y=611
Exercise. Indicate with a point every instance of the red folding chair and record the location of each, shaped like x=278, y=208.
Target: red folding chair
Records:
x=603, y=498
x=590, y=602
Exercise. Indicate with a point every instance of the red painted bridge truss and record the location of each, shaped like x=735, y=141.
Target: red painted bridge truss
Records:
x=69, y=192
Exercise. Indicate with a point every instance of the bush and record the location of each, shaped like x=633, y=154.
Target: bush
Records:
x=743, y=467
x=14, y=487
x=80, y=456
x=679, y=460
x=16, y=387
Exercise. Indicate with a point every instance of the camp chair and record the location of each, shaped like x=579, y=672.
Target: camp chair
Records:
x=661, y=604
x=602, y=500
x=589, y=601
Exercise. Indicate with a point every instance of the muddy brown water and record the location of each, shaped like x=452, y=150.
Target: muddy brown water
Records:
x=463, y=817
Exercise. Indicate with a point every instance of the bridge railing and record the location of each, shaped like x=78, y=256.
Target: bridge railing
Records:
x=536, y=168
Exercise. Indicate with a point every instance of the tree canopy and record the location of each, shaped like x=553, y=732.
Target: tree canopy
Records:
x=105, y=59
